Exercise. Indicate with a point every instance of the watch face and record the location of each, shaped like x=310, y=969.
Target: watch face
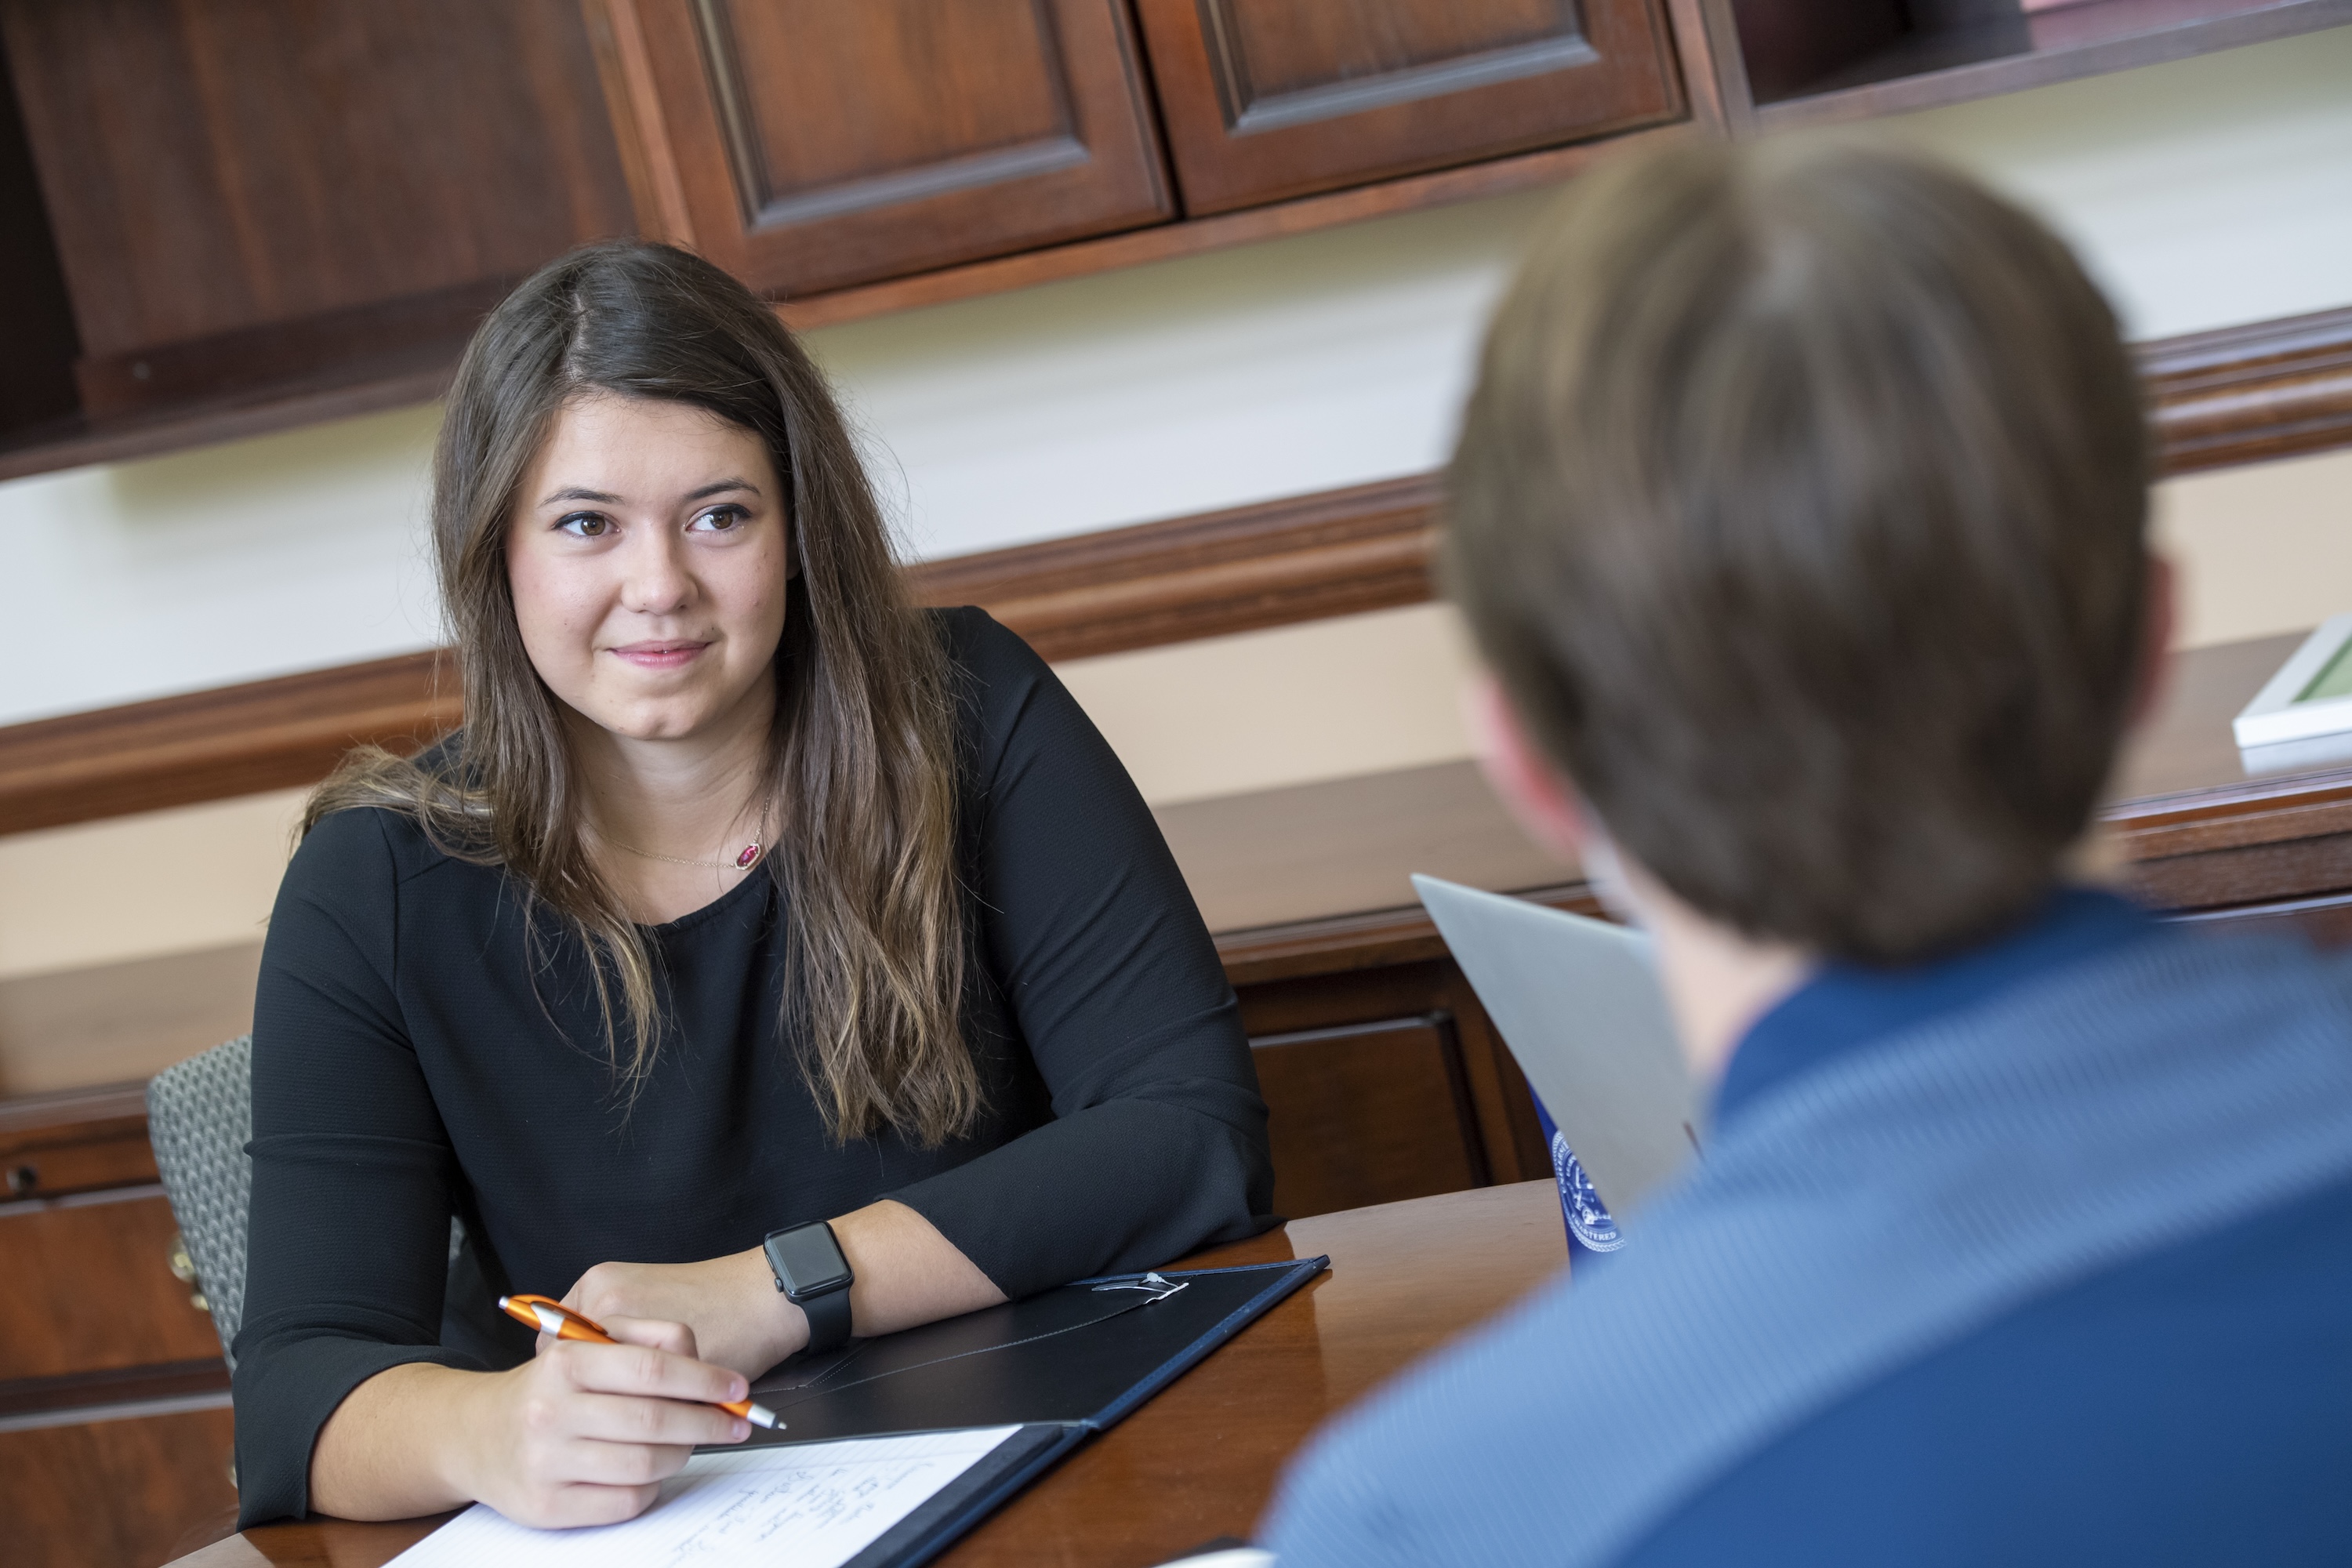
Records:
x=808, y=1261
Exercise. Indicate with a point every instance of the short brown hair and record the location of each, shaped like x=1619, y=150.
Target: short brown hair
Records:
x=1800, y=509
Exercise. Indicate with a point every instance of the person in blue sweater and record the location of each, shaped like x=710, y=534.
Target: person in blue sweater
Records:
x=1800, y=516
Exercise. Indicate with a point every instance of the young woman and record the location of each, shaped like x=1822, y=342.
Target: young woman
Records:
x=757, y=929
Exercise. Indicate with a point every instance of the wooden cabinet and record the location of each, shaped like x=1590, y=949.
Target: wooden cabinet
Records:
x=1787, y=63
x=232, y=216
x=1368, y=1113
x=246, y=199
x=1270, y=98
x=1383, y=1084
x=807, y=144
x=90, y=1289
x=115, y=1432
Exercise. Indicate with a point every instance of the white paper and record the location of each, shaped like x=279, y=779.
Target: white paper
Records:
x=810, y=1505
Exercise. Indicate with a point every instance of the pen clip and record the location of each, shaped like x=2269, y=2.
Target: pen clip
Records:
x=1157, y=1285
x=549, y=1316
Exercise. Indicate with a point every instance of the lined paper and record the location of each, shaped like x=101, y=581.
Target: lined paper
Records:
x=811, y=1505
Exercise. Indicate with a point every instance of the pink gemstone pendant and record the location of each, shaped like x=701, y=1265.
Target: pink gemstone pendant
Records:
x=748, y=858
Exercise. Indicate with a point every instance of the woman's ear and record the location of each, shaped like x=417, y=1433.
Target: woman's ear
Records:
x=1536, y=794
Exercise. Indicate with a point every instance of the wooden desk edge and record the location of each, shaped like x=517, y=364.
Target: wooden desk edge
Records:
x=1353, y=1239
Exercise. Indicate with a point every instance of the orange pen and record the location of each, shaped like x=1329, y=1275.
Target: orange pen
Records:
x=555, y=1318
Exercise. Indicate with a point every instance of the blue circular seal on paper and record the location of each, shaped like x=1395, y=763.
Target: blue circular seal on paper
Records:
x=1587, y=1217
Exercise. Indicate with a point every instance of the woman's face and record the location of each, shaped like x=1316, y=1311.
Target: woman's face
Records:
x=648, y=552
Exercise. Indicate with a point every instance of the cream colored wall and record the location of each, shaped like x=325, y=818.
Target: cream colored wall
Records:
x=2262, y=549
x=145, y=886
x=1325, y=700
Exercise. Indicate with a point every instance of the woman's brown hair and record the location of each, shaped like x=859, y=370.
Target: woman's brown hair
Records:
x=863, y=754
x=1799, y=508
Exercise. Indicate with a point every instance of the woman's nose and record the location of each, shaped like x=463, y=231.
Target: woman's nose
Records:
x=657, y=581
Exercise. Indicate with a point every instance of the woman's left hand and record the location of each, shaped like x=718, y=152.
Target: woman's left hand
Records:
x=740, y=1321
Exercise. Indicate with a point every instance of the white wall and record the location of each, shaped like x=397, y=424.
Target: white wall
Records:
x=2203, y=193
x=2206, y=192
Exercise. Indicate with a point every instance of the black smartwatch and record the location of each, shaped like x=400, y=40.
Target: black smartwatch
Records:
x=815, y=1277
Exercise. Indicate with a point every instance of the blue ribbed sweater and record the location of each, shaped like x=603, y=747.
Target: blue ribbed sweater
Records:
x=2041, y=1254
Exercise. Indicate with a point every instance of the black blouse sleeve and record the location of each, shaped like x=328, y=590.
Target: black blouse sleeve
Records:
x=1158, y=1143
x=349, y=1230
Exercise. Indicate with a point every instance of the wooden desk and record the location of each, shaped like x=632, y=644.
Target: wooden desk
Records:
x=1201, y=1460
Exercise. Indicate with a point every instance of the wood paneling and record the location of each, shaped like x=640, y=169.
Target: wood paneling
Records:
x=117, y=1493
x=1332, y=946
x=2240, y=394
x=1334, y=553
x=1270, y=98
x=1368, y=1113
x=90, y=1287
x=212, y=745
x=2266, y=390
x=807, y=145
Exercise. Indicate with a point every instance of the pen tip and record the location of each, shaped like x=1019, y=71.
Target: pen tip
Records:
x=760, y=1415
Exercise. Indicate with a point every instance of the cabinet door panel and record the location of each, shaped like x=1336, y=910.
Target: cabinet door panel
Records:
x=245, y=185
x=808, y=145
x=1367, y=1113
x=89, y=1289
x=1269, y=99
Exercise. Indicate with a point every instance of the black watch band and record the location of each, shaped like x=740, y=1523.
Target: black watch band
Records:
x=812, y=1274
x=828, y=1320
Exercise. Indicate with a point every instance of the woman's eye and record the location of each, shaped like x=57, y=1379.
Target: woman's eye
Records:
x=586, y=525
x=720, y=519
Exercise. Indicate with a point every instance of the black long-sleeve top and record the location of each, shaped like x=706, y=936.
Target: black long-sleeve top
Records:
x=412, y=1060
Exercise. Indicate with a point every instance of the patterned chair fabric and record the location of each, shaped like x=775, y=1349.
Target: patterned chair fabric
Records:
x=200, y=1117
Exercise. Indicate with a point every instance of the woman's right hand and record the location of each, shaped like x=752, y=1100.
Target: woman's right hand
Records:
x=585, y=1434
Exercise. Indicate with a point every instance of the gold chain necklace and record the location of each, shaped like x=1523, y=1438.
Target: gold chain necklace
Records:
x=749, y=858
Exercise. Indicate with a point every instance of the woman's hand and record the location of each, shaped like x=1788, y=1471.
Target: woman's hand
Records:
x=585, y=1434
x=738, y=1319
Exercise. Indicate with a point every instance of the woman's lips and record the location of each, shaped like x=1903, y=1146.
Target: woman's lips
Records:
x=661, y=655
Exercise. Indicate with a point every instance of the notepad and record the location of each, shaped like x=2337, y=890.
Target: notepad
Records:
x=813, y=1505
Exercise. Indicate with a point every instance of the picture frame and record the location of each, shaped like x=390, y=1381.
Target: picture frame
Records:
x=2310, y=697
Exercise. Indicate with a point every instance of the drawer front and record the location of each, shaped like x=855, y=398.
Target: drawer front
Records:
x=54, y=1163
x=88, y=1287
x=1368, y=1113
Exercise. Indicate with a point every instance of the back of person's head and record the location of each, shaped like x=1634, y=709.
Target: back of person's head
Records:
x=1800, y=510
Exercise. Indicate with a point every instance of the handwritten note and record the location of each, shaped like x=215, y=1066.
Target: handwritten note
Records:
x=813, y=1505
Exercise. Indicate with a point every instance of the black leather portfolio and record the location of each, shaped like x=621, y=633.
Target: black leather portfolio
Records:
x=1061, y=1367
